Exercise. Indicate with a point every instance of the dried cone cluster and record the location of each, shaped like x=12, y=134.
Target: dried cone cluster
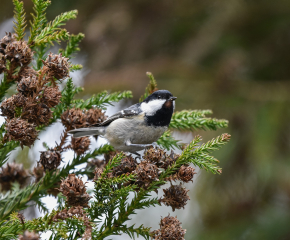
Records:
x=31, y=106
x=170, y=229
x=29, y=236
x=38, y=172
x=146, y=173
x=80, y=145
x=75, y=191
x=186, y=173
x=50, y=159
x=13, y=172
x=159, y=157
x=175, y=196
x=128, y=165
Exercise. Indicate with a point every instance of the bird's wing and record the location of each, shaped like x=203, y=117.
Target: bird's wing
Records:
x=125, y=113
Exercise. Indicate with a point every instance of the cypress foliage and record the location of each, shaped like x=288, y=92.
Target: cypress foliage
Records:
x=39, y=103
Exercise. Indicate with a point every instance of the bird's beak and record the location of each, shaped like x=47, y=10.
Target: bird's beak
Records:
x=172, y=98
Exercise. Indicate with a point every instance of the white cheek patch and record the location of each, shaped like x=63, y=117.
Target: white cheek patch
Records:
x=152, y=107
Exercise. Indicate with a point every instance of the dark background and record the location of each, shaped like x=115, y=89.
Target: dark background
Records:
x=229, y=56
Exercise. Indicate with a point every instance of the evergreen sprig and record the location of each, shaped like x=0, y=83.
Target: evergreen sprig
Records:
x=53, y=32
x=152, y=86
x=4, y=86
x=192, y=120
x=168, y=142
x=19, y=16
x=72, y=45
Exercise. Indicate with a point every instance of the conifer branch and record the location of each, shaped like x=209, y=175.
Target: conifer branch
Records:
x=4, y=86
x=75, y=67
x=39, y=18
x=168, y=142
x=152, y=87
x=72, y=45
x=192, y=120
x=102, y=100
x=52, y=31
x=19, y=16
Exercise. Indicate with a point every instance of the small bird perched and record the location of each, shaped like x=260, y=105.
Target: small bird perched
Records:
x=136, y=127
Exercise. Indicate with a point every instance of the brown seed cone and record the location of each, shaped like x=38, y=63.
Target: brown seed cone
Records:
x=98, y=172
x=80, y=145
x=38, y=172
x=20, y=130
x=51, y=96
x=77, y=211
x=50, y=159
x=13, y=172
x=29, y=236
x=19, y=100
x=175, y=196
x=146, y=173
x=57, y=66
x=27, y=86
x=93, y=164
x=73, y=118
x=9, y=38
x=75, y=191
x=7, y=108
x=27, y=72
x=95, y=116
x=127, y=166
x=38, y=113
x=156, y=156
x=186, y=173
x=170, y=229
x=19, y=52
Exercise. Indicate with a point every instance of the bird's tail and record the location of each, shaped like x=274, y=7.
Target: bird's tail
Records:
x=82, y=132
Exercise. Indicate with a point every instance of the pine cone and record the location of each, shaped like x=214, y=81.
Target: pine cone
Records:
x=75, y=191
x=95, y=116
x=38, y=172
x=170, y=229
x=7, y=107
x=146, y=173
x=50, y=159
x=13, y=172
x=186, y=173
x=51, y=96
x=57, y=66
x=19, y=52
x=29, y=236
x=175, y=196
x=27, y=72
x=73, y=118
x=38, y=113
x=9, y=38
x=19, y=100
x=80, y=145
x=127, y=166
x=27, y=86
x=20, y=130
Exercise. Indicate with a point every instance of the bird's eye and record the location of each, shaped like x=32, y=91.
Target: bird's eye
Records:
x=159, y=97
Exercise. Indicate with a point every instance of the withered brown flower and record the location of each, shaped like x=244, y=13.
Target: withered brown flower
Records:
x=38, y=113
x=128, y=165
x=19, y=52
x=7, y=108
x=146, y=173
x=170, y=229
x=51, y=96
x=73, y=118
x=50, y=159
x=20, y=130
x=175, y=196
x=186, y=173
x=95, y=116
x=80, y=145
x=13, y=172
x=57, y=66
x=75, y=191
x=29, y=236
x=27, y=86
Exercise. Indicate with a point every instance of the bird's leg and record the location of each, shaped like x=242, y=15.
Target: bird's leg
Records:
x=141, y=146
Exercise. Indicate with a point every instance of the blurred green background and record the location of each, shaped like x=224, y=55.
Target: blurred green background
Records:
x=229, y=56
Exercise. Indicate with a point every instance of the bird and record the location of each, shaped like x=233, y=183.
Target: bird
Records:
x=136, y=127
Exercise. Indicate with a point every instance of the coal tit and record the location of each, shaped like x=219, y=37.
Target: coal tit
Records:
x=137, y=127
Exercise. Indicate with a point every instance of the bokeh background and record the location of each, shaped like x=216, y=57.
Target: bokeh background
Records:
x=229, y=56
